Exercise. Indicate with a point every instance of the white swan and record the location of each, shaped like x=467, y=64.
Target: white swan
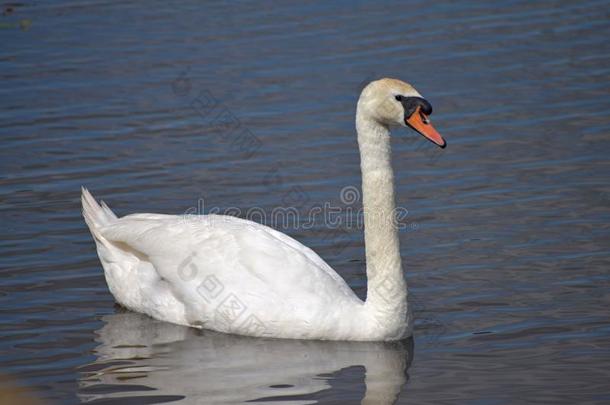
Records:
x=236, y=276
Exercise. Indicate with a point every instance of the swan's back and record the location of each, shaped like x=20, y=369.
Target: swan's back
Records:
x=221, y=273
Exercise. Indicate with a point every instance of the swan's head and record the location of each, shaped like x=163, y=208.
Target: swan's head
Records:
x=392, y=102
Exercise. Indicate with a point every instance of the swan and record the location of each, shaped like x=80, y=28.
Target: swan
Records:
x=231, y=275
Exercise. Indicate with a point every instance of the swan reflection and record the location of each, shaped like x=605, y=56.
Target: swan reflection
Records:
x=160, y=362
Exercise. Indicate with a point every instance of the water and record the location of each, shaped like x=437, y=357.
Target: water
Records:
x=506, y=244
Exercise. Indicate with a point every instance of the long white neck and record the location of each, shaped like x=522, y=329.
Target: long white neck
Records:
x=386, y=300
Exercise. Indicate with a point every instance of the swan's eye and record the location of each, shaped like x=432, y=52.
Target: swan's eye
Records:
x=398, y=98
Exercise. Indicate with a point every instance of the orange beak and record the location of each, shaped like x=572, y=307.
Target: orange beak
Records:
x=420, y=122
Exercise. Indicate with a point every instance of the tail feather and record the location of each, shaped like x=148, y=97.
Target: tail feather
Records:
x=109, y=214
x=96, y=215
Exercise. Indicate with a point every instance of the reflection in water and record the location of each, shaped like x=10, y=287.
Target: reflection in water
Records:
x=139, y=356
